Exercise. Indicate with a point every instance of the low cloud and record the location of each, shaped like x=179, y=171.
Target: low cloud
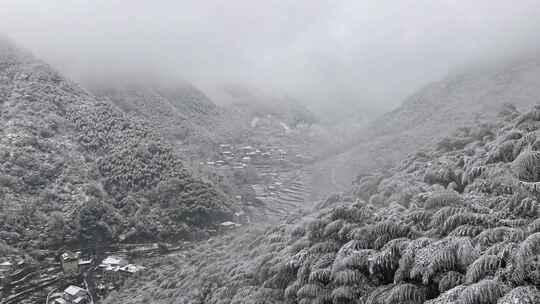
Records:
x=330, y=54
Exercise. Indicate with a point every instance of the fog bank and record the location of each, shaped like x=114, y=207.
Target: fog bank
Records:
x=329, y=54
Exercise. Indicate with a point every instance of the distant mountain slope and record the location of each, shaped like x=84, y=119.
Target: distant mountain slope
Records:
x=254, y=102
x=65, y=152
x=463, y=99
x=457, y=100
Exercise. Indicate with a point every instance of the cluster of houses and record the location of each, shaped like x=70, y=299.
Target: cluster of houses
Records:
x=109, y=275
x=73, y=264
x=270, y=161
x=240, y=157
x=114, y=269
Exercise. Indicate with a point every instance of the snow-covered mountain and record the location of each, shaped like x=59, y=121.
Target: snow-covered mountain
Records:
x=66, y=152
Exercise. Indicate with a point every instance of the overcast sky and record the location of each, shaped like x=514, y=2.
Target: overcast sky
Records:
x=326, y=52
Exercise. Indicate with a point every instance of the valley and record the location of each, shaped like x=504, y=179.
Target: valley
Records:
x=279, y=179
x=152, y=180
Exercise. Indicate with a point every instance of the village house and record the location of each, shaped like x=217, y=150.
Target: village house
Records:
x=75, y=295
x=112, y=274
x=59, y=301
x=229, y=225
x=5, y=269
x=70, y=263
x=6, y=266
x=85, y=264
x=132, y=269
x=111, y=268
x=114, y=261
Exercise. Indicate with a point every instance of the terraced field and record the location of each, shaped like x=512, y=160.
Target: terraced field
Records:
x=289, y=192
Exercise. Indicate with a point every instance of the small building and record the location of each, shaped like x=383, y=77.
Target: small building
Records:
x=112, y=274
x=229, y=225
x=59, y=301
x=111, y=268
x=114, y=261
x=70, y=263
x=132, y=269
x=6, y=266
x=83, y=262
x=81, y=300
x=5, y=269
x=76, y=295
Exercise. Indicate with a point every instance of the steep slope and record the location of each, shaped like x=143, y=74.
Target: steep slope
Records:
x=74, y=168
x=179, y=111
x=462, y=99
x=454, y=224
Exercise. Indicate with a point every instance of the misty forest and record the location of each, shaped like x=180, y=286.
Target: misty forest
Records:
x=270, y=152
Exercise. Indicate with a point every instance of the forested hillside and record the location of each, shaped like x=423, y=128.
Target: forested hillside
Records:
x=462, y=99
x=75, y=168
x=179, y=111
x=454, y=224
